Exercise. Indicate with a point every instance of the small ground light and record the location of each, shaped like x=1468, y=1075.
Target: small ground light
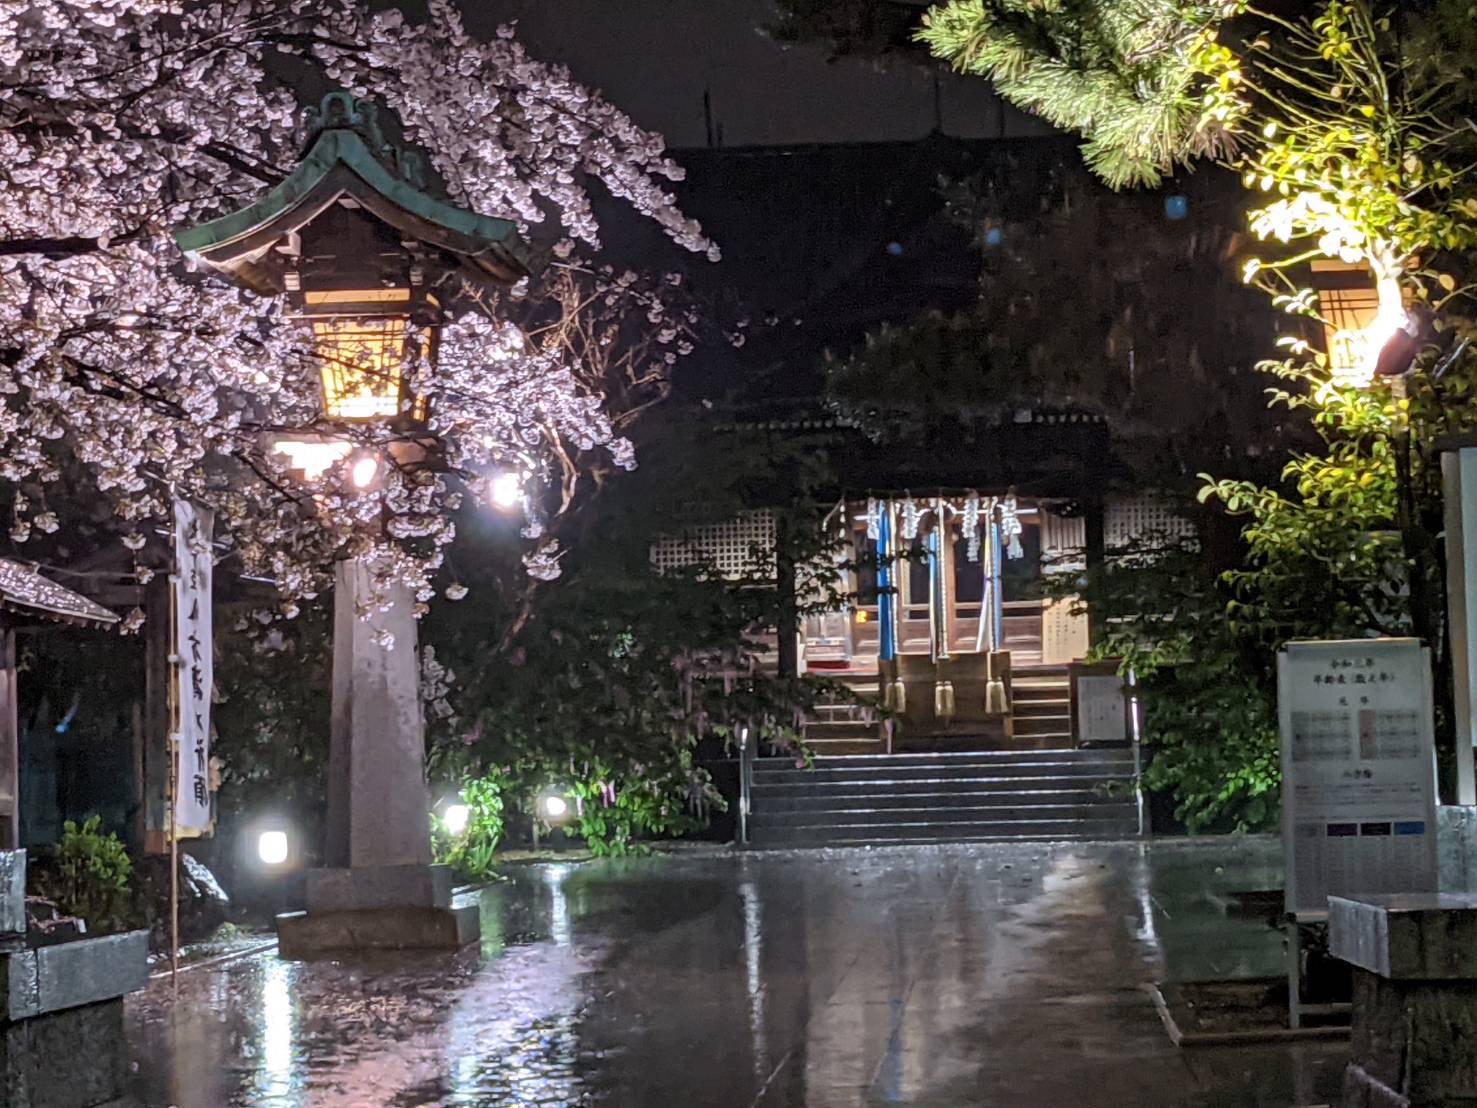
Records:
x=555, y=807
x=271, y=847
x=365, y=471
x=507, y=489
x=456, y=818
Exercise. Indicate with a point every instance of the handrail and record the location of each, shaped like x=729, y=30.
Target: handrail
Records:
x=746, y=780
x=1134, y=735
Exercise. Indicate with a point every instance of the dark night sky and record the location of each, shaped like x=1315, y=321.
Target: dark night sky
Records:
x=656, y=58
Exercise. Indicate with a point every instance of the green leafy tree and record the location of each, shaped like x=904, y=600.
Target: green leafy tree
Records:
x=273, y=695
x=1349, y=127
x=606, y=691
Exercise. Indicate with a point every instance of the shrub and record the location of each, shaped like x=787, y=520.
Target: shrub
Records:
x=471, y=851
x=94, y=870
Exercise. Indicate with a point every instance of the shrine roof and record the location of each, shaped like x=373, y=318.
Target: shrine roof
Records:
x=24, y=590
x=349, y=157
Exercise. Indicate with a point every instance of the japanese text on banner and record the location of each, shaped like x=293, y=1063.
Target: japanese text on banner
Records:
x=194, y=672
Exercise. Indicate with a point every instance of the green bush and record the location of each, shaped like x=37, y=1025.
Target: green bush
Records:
x=614, y=817
x=94, y=870
x=471, y=851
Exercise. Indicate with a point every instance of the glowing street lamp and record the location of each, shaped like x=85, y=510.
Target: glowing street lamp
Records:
x=271, y=847
x=507, y=489
x=456, y=818
x=1369, y=333
x=553, y=807
x=356, y=246
x=364, y=471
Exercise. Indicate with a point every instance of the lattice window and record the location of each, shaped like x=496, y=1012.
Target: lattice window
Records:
x=740, y=547
x=1143, y=518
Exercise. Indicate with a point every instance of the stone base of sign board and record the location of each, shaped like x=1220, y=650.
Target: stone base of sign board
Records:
x=73, y=1058
x=1456, y=847
x=1415, y=998
x=61, y=1007
x=307, y=935
x=36, y=981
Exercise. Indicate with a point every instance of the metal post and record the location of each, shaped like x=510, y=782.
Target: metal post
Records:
x=171, y=814
x=1294, y=973
x=1135, y=733
x=746, y=772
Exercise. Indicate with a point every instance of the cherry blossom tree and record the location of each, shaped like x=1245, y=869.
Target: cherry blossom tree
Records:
x=122, y=120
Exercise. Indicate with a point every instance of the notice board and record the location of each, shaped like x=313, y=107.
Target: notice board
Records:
x=1102, y=710
x=1358, y=769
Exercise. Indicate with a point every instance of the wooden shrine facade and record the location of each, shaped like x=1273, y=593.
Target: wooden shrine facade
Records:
x=27, y=598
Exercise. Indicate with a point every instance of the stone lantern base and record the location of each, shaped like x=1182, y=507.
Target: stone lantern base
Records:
x=377, y=908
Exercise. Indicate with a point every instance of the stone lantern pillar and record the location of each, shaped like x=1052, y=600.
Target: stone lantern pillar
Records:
x=359, y=249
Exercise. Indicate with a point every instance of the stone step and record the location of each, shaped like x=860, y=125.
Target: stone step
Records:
x=838, y=799
x=833, y=727
x=1043, y=725
x=1034, y=697
x=969, y=791
x=956, y=759
x=984, y=772
x=917, y=833
x=946, y=814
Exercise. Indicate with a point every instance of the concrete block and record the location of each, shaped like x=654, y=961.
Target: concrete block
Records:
x=70, y=975
x=306, y=935
x=364, y=887
x=75, y=1058
x=1456, y=847
x=12, y=892
x=1420, y=936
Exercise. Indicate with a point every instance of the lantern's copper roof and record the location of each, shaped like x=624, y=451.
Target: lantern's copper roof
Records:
x=24, y=590
x=348, y=157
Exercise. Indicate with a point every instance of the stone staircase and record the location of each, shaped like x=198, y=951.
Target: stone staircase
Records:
x=846, y=727
x=1041, y=707
x=856, y=800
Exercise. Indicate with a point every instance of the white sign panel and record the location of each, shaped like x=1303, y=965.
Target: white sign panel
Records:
x=1358, y=770
x=193, y=671
x=1102, y=711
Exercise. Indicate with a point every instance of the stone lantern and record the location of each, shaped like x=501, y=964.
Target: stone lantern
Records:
x=354, y=243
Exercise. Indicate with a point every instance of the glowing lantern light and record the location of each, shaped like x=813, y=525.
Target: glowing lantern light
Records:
x=362, y=357
x=271, y=847
x=1361, y=322
x=456, y=818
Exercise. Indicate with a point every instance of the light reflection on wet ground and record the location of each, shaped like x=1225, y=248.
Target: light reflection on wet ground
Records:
x=925, y=976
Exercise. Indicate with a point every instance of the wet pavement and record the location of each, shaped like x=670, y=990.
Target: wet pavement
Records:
x=937, y=976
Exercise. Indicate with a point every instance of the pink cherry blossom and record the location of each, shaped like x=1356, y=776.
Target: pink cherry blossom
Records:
x=122, y=120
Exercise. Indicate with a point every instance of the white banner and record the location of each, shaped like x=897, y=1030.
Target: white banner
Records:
x=193, y=670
